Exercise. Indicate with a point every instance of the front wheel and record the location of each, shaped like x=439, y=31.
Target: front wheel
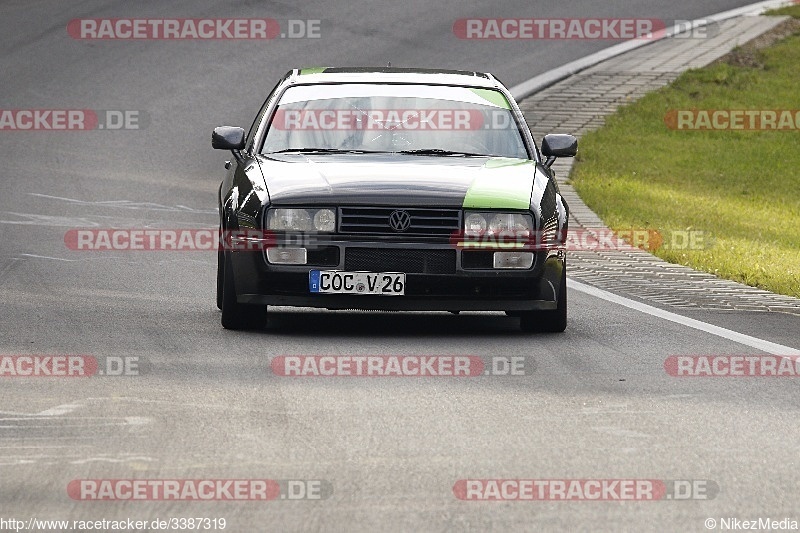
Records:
x=550, y=321
x=235, y=315
x=220, y=277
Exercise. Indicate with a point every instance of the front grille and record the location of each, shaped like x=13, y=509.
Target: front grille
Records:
x=375, y=220
x=400, y=260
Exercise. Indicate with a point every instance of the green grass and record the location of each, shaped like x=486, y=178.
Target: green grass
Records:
x=792, y=11
x=740, y=188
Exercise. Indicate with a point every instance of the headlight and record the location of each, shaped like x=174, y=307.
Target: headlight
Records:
x=291, y=219
x=474, y=223
x=510, y=222
x=325, y=220
x=498, y=223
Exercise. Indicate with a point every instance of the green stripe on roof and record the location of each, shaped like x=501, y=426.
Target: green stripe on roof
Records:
x=495, y=97
x=312, y=70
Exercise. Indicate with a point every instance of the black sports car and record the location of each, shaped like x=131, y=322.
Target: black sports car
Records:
x=391, y=189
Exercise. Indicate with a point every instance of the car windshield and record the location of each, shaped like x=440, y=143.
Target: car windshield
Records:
x=415, y=119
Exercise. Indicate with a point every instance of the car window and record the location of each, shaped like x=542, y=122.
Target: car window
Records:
x=395, y=118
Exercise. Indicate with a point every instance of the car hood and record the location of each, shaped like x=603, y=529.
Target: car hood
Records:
x=399, y=180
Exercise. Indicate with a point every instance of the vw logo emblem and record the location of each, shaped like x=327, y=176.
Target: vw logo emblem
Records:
x=400, y=220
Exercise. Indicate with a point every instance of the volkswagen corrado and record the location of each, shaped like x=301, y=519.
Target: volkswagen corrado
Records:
x=392, y=189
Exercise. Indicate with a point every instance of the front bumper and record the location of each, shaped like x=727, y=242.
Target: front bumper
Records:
x=432, y=283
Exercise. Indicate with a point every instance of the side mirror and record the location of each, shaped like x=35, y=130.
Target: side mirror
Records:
x=227, y=138
x=558, y=145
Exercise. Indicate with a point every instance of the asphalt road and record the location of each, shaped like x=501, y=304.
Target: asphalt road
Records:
x=594, y=403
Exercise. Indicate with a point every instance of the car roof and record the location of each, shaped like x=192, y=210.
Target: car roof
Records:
x=392, y=75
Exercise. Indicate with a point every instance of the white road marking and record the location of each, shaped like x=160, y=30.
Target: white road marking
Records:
x=127, y=204
x=35, y=219
x=754, y=342
x=60, y=409
x=101, y=256
x=34, y=256
x=128, y=459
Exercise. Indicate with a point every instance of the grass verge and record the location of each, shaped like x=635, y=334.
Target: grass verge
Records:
x=738, y=189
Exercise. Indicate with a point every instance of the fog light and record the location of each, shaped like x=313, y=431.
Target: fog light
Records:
x=513, y=259
x=287, y=256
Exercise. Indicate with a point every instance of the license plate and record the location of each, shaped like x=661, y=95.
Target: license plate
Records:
x=337, y=282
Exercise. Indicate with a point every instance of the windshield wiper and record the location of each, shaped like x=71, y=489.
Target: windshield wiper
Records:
x=439, y=151
x=324, y=151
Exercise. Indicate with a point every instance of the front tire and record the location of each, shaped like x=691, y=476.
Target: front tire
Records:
x=238, y=316
x=554, y=321
x=220, y=277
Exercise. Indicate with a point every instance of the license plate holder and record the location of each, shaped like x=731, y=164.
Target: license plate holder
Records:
x=358, y=283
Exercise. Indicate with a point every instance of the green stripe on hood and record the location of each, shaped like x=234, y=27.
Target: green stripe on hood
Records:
x=501, y=189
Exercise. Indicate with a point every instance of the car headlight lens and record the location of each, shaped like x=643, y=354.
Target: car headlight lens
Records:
x=510, y=222
x=498, y=223
x=325, y=220
x=291, y=219
x=474, y=223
